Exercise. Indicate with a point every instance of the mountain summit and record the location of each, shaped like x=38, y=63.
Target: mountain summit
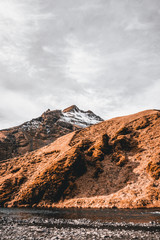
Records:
x=79, y=117
x=72, y=108
x=43, y=130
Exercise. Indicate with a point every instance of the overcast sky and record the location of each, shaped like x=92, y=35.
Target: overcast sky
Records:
x=102, y=55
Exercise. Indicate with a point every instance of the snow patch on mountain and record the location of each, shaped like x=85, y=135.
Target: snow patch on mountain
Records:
x=80, y=118
x=33, y=124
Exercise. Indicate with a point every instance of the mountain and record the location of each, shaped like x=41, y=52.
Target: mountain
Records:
x=115, y=163
x=80, y=118
x=43, y=130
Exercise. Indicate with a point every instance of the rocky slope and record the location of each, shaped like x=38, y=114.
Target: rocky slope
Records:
x=43, y=130
x=115, y=163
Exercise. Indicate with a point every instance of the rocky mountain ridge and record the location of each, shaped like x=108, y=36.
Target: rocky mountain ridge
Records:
x=43, y=130
x=115, y=163
x=79, y=117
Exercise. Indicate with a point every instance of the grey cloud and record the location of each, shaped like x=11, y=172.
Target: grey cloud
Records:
x=101, y=55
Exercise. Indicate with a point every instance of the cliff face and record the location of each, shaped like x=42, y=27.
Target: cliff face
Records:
x=43, y=130
x=115, y=163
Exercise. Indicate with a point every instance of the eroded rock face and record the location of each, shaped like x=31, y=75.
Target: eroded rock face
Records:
x=43, y=130
x=111, y=164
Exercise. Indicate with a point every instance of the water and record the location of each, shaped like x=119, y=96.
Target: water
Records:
x=79, y=224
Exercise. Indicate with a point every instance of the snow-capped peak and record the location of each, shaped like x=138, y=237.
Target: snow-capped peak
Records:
x=79, y=117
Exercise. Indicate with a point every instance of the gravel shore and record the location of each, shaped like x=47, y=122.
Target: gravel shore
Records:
x=22, y=226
